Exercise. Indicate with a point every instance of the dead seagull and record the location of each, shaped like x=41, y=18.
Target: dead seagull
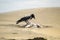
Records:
x=25, y=19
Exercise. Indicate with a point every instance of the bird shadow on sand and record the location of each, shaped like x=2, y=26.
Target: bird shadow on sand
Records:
x=19, y=26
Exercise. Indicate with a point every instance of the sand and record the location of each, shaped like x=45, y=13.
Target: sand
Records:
x=50, y=17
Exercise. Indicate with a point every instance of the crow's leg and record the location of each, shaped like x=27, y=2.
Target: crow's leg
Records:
x=28, y=24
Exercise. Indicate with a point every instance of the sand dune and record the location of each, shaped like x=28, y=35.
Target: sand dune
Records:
x=50, y=17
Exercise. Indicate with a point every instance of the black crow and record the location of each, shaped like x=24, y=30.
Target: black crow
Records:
x=25, y=18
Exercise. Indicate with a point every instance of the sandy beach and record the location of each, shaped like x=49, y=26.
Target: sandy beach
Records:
x=50, y=17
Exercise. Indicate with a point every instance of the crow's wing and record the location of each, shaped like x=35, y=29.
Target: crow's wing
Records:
x=23, y=19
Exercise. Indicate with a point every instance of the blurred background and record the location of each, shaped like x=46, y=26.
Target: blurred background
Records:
x=12, y=5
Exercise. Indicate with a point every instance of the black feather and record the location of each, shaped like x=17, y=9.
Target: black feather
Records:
x=25, y=18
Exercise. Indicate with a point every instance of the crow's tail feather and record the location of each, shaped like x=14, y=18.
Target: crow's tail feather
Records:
x=18, y=21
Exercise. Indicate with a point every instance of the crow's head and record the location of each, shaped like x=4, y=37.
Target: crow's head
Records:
x=33, y=16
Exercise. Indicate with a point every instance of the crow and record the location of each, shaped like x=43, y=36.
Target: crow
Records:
x=25, y=19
